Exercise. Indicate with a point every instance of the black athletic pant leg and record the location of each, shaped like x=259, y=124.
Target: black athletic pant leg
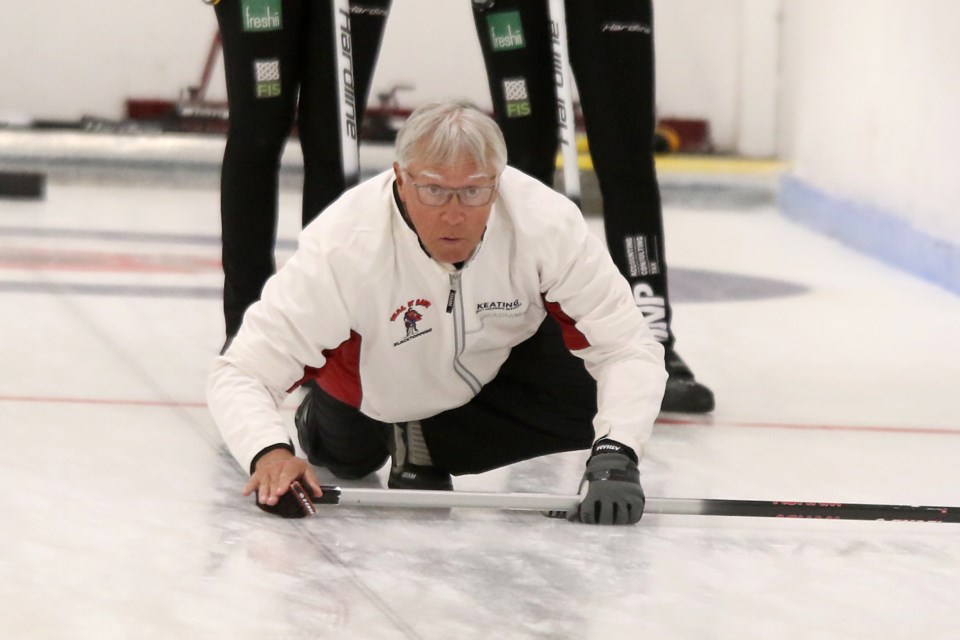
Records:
x=318, y=117
x=542, y=401
x=301, y=53
x=612, y=59
x=339, y=437
x=612, y=56
x=516, y=45
x=262, y=70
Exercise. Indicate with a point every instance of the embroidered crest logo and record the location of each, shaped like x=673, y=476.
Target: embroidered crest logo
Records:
x=411, y=315
x=410, y=318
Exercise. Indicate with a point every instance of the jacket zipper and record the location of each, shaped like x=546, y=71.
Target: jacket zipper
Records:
x=455, y=306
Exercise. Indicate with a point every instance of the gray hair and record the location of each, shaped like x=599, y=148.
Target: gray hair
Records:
x=441, y=132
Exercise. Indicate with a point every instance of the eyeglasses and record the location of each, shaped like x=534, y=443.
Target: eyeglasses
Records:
x=433, y=195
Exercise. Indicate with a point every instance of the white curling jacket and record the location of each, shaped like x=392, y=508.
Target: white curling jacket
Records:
x=404, y=337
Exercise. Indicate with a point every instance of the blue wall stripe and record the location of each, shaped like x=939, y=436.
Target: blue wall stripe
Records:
x=873, y=231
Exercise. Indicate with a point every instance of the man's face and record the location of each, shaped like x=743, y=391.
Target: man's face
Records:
x=451, y=231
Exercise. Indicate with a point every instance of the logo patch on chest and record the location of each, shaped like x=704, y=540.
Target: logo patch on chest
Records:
x=412, y=315
x=499, y=307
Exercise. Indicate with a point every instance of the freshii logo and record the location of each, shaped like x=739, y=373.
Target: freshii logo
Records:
x=261, y=15
x=506, y=31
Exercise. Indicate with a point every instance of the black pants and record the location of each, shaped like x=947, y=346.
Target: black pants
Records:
x=542, y=401
x=612, y=59
x=270, y=70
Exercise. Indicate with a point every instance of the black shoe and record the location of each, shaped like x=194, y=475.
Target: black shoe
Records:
x=683, y=393
x=404, y=474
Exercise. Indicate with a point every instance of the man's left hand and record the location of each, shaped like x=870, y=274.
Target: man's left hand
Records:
x=614, y=494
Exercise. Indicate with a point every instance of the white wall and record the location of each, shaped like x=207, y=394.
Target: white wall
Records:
x=759, y=69
x=697, y=53
x=64, y=59
x=870, y=104
x=67, y=59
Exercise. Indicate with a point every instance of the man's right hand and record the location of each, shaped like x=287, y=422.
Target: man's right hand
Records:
x=271, y=479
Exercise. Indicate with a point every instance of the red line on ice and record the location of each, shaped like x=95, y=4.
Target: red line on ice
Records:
x=665, y=421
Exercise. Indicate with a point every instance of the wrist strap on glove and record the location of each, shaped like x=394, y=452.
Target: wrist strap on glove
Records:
x=606, y=445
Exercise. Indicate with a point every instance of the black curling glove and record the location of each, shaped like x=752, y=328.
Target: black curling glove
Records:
x=614, y=494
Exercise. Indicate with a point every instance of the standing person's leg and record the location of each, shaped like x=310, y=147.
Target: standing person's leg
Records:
x=619, y=115
x=515, y=41
x=318, y=119
x=262, y=67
